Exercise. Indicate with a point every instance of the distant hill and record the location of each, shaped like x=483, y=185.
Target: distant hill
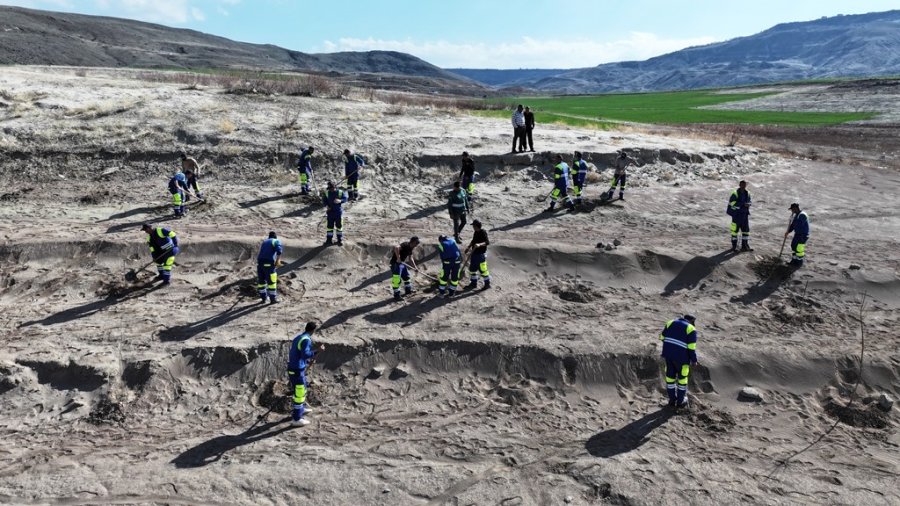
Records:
x=505, y=78
x=35, y=37
x=865, y=45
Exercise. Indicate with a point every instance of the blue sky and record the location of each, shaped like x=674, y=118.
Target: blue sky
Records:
x=476, y=33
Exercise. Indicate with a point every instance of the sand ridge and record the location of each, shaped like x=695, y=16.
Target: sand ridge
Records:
x=543, y=390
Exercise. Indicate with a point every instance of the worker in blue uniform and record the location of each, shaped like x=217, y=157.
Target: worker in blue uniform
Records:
x=353, y=164
x=579, y=176
x=800, y=227
x=334, y=199
x=448, y=279
x=679, y=339
x=178, y=187
x=739, y=203
x=560, y=185
x=304, y=166
x=163, y=248
x=300, y=357
x=267, y=263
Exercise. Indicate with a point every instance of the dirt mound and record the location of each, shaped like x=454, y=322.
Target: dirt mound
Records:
x=106, y=412
x=857, y=414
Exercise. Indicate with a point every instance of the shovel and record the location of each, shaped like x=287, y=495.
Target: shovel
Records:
x=543, y=198
x=783, y=242
x=420, y=272
x=132, y=275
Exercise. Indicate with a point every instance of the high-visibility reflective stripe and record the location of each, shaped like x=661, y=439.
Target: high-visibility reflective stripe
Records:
x=676, y=342
x=692, y=346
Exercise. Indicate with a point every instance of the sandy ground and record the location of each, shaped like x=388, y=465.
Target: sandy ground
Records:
x=543, y=390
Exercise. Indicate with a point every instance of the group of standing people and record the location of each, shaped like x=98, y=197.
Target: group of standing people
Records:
x=523, y=126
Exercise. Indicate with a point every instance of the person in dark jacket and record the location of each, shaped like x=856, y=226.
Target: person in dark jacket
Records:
x=467, y=175
x=739, y=209
x=529, y=126
x=401, y=261
x=478, y=260
x=458, y=206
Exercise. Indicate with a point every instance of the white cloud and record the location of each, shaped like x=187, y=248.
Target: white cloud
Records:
x=527, y=52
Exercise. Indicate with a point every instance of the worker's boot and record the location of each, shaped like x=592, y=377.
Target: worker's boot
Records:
x=340, y=242
x=746, y=246
x=263, y=297
x=328, y=241
x=397, y=295
x=473, y=284
x=621, y=196
x=303, y=422
x=408, y=290
x=551, y=208
x=487, y=284
x=273, y=299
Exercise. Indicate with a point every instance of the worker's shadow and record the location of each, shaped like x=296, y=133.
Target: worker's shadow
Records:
x=85, y=310
x=695, y=271
x=136, y=211
x=766, y=287
x=424, y=213
x=304, y=212
x=265, y=200
x=214, y=449
x=185, y=332
x=406, y=314
x=309, y=255
x=610, y=443
x=121, y=227
x=386, y=275
x=345, y=315
x=543, y=215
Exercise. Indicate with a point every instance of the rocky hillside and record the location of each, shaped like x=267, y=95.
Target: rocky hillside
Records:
x=34, y=37
x=865, y=45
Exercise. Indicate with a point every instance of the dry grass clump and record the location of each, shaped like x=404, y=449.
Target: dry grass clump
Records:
x=101, y=110
x=226, y=126
x=28, y=96
x=256, y=83
x=289, y=120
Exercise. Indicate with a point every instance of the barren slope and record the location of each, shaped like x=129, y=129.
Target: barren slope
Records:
x=544, y=390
